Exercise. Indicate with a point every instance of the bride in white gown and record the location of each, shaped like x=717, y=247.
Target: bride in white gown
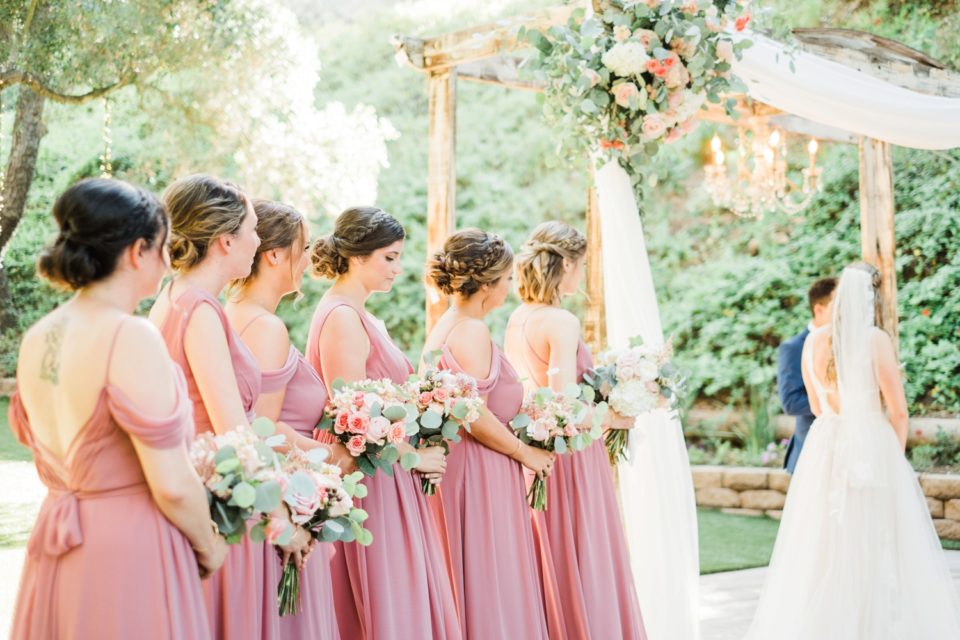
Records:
x=857, y=556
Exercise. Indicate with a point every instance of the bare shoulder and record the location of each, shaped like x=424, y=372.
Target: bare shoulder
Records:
x=344, y=325
x=881, y=341
x=470, y=344
x=268, y=339
x=141, y=366
x=469, y=330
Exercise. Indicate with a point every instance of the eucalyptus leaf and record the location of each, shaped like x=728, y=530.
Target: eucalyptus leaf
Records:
x=244, y=495
x=394, y=413
x=559, y=445
x=409, y=460
x=267, y=496
x=263, y=427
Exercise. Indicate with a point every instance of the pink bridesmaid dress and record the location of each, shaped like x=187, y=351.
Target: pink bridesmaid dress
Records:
x=239, y=606
x=302, y=409
x=488, y=523
x=102, y=561
x=399, y=586
x=586, y=544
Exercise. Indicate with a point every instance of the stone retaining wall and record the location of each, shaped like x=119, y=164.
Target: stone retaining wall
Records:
x=753, y=491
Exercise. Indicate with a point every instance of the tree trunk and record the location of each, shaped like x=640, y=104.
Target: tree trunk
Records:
x=28, y=129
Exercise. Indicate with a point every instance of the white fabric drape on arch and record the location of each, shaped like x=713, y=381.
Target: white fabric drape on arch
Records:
x=656, y=487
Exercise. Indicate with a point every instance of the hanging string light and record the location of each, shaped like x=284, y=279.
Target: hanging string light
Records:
x=3, y=177
x=106, y=158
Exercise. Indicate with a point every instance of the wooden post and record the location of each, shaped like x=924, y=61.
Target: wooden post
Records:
x=441, y=178
x=877, y=237
x=594, y=324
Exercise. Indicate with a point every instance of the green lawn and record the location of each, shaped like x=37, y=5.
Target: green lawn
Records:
x=10, y=449
x=729, y=542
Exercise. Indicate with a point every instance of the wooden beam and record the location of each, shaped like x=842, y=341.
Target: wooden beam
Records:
x=594, y=324
x=877, y=237
x=441, y=174
x=502, y=70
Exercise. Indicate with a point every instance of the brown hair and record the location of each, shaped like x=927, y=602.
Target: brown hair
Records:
x=99, y=219
x=821, y=291
x=470, y=259
x=202, y=208
x=279, y=226
x=358, y=232
x=540, y=263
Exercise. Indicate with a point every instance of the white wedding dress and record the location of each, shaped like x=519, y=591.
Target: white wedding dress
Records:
x=856, y=557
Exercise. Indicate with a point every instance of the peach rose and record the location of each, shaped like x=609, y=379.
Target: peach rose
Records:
x=358, y=423
x=647, y=37
x=673, y=135
x=441, y=395
x=725, y=50
x=623, y=92
x=397, y=433
x=357, y=445
x=653, y=126
x=425, y=398
x=340, y=424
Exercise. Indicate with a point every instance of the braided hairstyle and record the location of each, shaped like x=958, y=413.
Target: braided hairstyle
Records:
x=99, y=219
x=470, y=259
x=358, y=232
x=540, y=263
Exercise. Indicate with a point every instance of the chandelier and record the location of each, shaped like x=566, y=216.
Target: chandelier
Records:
x=761, y=183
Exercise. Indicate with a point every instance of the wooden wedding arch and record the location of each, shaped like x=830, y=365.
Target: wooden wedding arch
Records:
x=492, y=53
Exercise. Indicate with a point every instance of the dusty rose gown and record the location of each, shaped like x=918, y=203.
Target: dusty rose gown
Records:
x=103, y=562
x=488, y=523
x=587, y=548
x=302, y=409
x=399, y=586
x=239, y=606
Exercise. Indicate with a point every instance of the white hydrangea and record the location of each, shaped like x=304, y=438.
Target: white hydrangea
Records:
x=626, y=59
x=631, y=398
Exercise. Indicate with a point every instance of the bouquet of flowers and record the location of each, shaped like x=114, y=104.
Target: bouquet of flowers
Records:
x=555, y=422
x=321, y=501
x=243, y=478
x=633, y=381
x=633, y=75
x=445, y=401
x=370, y=418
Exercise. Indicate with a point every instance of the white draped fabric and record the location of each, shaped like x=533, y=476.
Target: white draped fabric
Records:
x=839, y=96
x=656, y=487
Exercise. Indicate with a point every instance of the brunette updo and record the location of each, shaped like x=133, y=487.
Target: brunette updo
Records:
x=99, y=219
x=470, y=259
x=540, y=263
x=202, y=208
x=359, y=231
x=279, y=226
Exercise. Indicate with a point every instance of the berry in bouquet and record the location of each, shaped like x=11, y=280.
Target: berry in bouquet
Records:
x=556, y=422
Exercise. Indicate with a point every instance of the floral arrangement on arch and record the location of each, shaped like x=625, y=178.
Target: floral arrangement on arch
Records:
x=634, y=74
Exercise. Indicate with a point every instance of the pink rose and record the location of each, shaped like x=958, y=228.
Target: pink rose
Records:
x=378, y=428
x=647, y=37
x=675, y=99
x=570, y=429
x=440, y=395
x=623, y=92
x=275, y=528
x=653, y=126
x=397, y=432
x=341, y=423
x=425, y=398
x=356, y=445
x=304, y=507
x=358, y=423
x=725, y=50
x=677, y=76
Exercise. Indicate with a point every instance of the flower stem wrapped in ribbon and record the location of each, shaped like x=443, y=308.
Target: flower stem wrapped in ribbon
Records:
x=445, y=402
x=370, y=418
x=634, y=381
x=321, y=501
x=556, y=422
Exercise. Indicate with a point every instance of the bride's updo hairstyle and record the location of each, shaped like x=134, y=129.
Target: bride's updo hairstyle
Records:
x=99, y=219
x=470, y=259
x=540, y=262
x=202, y=208
x=873, y=290
x=358, y=232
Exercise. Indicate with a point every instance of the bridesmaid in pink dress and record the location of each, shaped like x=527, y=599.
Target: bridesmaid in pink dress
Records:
x=105, y=412
x=293, y=395
x=584, y=533
x=214, y=241
x=483, y=494
x=399, y=586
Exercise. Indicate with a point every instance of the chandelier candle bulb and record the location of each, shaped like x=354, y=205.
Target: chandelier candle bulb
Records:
x=812, y=148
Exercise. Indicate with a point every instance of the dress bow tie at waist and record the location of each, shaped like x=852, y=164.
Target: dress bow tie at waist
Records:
x=57, y=529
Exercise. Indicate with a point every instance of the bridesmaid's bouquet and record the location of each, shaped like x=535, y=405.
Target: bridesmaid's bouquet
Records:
x=555, y=422
x=370, y=418
x=445, y=402
x=633, y=381
x=244, y=480
x=321, y=501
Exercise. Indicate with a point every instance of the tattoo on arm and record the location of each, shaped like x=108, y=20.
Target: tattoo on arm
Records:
x=50, y=365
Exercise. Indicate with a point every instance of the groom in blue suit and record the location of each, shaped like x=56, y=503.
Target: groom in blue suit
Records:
x=793, y=395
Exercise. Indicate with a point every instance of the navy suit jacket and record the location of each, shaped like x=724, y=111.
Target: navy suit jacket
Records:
x=793, y=394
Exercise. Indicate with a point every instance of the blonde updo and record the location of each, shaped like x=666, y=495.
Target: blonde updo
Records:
x=279, y=226
x=202, y=208
x=540, y=263
x=358, y=232
x=470, y=259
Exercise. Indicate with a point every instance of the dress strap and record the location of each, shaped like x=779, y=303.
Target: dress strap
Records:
x=250, y=323
x=526, y=339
